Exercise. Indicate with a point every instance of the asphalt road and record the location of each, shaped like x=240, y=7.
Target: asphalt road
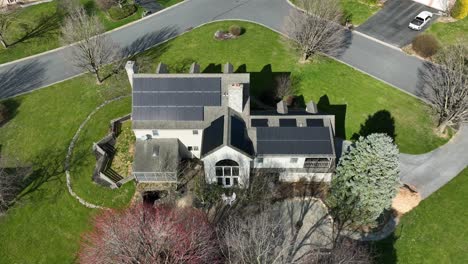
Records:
x=376, y=59
x=390, y=24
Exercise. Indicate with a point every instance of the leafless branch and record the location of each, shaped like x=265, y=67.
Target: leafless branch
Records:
x=445, y=85
x=92, y=50
x=316, y=28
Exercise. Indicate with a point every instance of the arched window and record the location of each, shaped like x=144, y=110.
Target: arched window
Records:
x=227, y=173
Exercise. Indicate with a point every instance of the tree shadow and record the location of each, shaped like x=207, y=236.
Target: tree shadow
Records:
x=346, y=38
x=181, y=66
x=41, y=29
x=11, y=108
x=385, y=250
x=379, y=122
x=339, y=111
x=148, y=41
x=21, y=78
x=241, y=69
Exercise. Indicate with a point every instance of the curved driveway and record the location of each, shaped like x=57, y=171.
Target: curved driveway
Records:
x=382, y=62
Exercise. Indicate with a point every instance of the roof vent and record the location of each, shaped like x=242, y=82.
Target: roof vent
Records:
x=312, y=107
x=194, y=68
x=228, y=68
x=282, y=107
x=162, y=68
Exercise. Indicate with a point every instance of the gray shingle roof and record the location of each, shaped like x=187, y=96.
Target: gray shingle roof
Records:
x=294, y=140
x=177, y=99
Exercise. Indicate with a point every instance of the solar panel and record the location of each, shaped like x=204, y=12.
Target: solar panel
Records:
x=178, y=99
x=259, y=122
x=287, y=122
x=315, y=122
x=294, y=140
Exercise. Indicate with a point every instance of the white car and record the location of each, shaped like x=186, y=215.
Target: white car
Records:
x=420, y=20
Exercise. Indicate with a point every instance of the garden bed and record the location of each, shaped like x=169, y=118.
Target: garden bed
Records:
x=116, y=13
x=124, y=150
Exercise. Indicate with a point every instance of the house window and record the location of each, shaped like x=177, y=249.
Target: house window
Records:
x=190, y=148
x=317, y=163
x=155, y=132
x=195, y=148
x=260, y=160
x=227, y=173
x=294, y=160
x=195, y=132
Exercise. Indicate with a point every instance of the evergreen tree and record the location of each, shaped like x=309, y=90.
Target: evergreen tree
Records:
x=366, y=181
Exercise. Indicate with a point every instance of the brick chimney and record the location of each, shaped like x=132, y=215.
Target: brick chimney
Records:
x=236, y=95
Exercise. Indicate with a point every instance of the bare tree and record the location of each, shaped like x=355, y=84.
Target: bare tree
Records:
x=66, y=7
x=284, y=86
x=11, y=182
x=445, y=86
x=92, y=50
x=142, y=234
x=6, y=18
x=347, y=251
x=316, y=28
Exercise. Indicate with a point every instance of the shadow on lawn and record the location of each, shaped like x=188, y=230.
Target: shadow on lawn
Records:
x=48, y=167
x=9, y=111
x=339, y=111
x=43, y=28
x=380, y=122
x=385, y=250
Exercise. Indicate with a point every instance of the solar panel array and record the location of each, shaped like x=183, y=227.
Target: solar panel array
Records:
x=294, y=140
x=287, y=122
x=176, y=99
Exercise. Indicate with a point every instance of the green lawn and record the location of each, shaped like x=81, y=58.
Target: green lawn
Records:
x=45, y=225
x=359, y=10
x=36, y=29
x=449, y=33
x=434, y=232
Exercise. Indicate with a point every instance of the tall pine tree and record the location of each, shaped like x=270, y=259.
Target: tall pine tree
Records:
x=366, y=181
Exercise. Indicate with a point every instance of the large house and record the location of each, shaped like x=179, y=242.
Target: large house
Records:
x=208, y=117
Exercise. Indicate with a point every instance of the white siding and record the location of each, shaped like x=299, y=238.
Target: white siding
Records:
x=279, y=162
x=296, y=176
x=185, y=136
x=227, y=153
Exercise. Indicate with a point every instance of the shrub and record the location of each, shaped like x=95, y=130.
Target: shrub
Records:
x=3, y=113
x=426, y=45
x=117, y=13
x=104, y=4
x=460, y=10
x=235, y=30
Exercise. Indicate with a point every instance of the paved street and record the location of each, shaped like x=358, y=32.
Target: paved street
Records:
x=378, y=60
x=390, y=24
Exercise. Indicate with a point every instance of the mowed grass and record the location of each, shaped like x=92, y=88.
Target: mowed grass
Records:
x=261, y=51
x=359, y=11
x=45, y=225
x=36, y=29
x=450, y=33
x=434, y=232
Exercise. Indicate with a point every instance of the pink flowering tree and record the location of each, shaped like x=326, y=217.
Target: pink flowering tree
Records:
x=142, y=234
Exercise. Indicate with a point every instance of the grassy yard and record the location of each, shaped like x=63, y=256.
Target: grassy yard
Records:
x=449, y=33
x=36, y=29
x=435, y=232
x=45, y=226
x=358, y=10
